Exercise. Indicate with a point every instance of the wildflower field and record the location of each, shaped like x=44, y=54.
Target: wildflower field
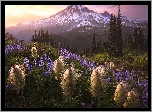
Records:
x=61, y=79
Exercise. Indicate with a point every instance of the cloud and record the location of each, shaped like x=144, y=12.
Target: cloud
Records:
x=39, y=10
x=113, y=6
x=27, y=13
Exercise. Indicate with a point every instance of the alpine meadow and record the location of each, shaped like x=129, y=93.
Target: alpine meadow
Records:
x=77, y=58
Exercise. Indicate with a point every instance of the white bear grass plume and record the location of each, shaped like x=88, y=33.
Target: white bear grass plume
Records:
x=75, y=71
x=97, y=83
x=68, y=82
x=34, y=51
x=107, y=65
x=121, y=93
x=59, y=67
x=17, y=77
x=133, y=99
x=111, y=65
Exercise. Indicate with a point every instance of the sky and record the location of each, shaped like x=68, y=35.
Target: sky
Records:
x=15, y=14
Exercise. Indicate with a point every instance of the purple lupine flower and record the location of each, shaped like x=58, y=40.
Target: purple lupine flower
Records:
x=26, y=62
x=26, y=59
x=50, y=65
x=45, y=57
x=83, y=105
x=27, y=65
x=93, y=63
x=146, y=95
x=34, y=61
x=30, y=67
x=8, y=47
x=117, y=76
x=15, y=46
x=107, y=79
x=127, y=74
x=90, y=69
x=49, y=58
x=49, y=69
x=19, y=47
x=77, y=58
x=46, y=73
x=90, y=105
x=6, y=51
x=145, y=104
x=9, y=86
x=41, y=62
x=81, y=72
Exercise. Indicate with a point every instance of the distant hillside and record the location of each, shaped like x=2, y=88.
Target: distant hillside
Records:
x=10, y=38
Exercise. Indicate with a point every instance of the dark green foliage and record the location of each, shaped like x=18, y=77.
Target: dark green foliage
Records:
x=42, y=91
x=45, y=92
x=137, y=41
x=94, y=48
x=99, y=47
x=93, y=45
x=43, y=37
x=114, y=45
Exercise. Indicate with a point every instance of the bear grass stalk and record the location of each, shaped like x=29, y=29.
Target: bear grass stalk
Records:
x=17, y=77
x=59, y=67
x=133, y=99
x=97, y=82
x=34, y=51
x=68, y=82
x=121, y=93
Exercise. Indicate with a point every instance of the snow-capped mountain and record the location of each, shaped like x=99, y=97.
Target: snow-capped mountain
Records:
x=71, y=17
x=74, y=16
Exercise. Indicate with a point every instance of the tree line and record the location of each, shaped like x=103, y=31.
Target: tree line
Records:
x=42, y=37
x=113, y=46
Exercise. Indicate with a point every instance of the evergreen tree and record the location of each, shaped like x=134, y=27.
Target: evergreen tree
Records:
x=88, y=50
x=135, y=38
x=84, y=51
x=93, y=45
x=114, y=44
x=110, y=44
x=35, y=34
x=39, y=37
x=51, y=40
x=99, y=46
x=146, y=44
x=67, y=47
x=137, y=41
x=33, y=39
x=41, y=33
x=46, y=37
x=130, y=43
x=74, y=50
x=55, y=45
x=141, y=40
x=119, y=40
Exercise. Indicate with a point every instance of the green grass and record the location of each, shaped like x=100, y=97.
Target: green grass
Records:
x=45, y=92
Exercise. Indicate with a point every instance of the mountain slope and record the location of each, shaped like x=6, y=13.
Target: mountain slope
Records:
x=74, y=16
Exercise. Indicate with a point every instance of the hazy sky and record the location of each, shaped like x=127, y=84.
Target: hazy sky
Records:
x=15, y=14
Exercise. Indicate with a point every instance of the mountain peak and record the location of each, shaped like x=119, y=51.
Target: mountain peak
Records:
x=19, y=24
x=106, y=14
x=78, y=6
